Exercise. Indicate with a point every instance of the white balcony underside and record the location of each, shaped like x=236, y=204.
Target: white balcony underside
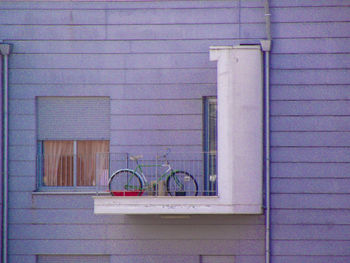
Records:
x=170, y=205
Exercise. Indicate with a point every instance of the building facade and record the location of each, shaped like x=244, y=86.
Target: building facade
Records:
x=135, y=77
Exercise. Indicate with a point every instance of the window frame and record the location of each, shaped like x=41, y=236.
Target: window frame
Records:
x=40, y=170
x=210, y=188
x=89, y=113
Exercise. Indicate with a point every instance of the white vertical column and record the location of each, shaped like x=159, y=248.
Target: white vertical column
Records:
x=240, y=126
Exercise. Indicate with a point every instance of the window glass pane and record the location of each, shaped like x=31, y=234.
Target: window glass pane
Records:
x=212, y=126
x=86, y=161
x=210, y=138
x=58, y=163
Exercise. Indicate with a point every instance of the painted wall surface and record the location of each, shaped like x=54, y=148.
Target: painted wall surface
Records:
x=310, y=133
x=152, y=60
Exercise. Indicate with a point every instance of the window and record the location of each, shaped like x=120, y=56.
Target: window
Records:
x=70, y=163
x=210, y=145
x=71, y=131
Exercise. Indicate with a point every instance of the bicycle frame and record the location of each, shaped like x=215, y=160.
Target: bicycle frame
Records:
x=138, y=170
x=174, y=185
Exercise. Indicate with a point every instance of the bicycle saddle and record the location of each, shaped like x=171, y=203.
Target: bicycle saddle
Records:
x=135, y=157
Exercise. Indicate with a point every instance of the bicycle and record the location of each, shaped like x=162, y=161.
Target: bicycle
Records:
x=134, y=181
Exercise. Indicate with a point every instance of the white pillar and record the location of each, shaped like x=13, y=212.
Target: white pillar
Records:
x=240, y=126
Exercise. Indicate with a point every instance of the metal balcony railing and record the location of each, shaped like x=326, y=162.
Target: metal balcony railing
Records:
x=125, y=174
x=152, y=174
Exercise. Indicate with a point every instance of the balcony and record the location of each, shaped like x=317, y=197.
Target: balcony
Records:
x=237, y=184
x=176, y=183
x=150, y=183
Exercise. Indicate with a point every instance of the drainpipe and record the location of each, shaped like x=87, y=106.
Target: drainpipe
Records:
x=5, y=51
x=266, y=47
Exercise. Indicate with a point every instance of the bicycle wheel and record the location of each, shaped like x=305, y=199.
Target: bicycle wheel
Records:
x=125, y=181
x=181, y=184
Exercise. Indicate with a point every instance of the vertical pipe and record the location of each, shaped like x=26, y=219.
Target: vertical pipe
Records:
x=5, y=162
x=267, y=19
x=267, y=156
x=266, y=46
x=5, y=51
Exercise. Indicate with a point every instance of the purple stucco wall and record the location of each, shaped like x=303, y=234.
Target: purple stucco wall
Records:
x=151, y=58
x=309, y=107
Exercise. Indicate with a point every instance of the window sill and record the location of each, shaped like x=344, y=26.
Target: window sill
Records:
x=170, y=205
x=44, y=192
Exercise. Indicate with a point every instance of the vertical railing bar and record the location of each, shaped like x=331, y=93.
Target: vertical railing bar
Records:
x=195, y=169
x=127, y=160
x=198, y=174
x=59, y=180
x=55, y=178
x=109, y=155
x=71, y=162
x=129, y=163
x=156, y=188
x=107, y=165
x=68, y=160
x=97, y=182
x=75, y=163
x=213, y=168
x=63, y=179
x=48, y=169
x=205, y=178
x=65, y=164
x=210, y=174
x=85, y=162
x=213, y=173
x=38, y=167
